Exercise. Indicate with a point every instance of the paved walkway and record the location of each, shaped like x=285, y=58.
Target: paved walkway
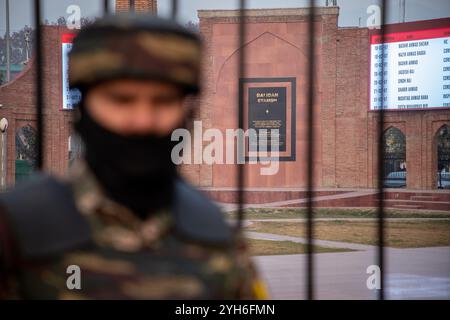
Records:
x=413, y=273
x=317, y=242
x=419, y=273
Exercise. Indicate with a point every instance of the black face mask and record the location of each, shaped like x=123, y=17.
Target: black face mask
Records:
x=136, y=171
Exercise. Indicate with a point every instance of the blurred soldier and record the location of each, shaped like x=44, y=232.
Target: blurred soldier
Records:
x=124, y=225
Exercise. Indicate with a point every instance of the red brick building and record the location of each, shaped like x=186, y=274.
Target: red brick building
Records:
x=345, y=131
x=17, y=99
x=18, y=107
x=139, y=5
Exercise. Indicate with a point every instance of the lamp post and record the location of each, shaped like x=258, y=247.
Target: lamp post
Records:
x=3, y=157
x=27, y=44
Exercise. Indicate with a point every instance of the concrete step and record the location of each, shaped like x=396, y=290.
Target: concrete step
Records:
x=424, y=198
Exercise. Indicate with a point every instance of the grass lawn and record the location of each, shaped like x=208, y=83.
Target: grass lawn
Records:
x=399, y=234
x=286, y=213
x=268, y=247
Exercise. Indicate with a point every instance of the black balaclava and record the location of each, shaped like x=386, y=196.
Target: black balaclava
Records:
x=136, y=171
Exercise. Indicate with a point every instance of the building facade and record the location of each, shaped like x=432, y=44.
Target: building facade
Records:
x=18, y=107
x=345, y=131
x=139, y=5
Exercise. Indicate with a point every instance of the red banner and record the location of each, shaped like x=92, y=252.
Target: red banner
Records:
x=411, y=35
x=68, y=37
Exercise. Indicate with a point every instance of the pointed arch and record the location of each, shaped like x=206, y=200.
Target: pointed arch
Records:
x=248, y=43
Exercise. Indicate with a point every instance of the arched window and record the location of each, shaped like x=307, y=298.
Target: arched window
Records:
x=443, y=157
x=26, y=152
x=394, y=143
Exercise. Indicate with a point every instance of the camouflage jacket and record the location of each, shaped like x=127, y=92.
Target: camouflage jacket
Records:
x=67, y=240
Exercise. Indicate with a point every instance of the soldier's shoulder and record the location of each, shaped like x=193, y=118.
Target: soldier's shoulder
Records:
x=197, y=217
x=43, y=217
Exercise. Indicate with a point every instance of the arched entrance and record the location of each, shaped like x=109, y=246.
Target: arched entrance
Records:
x=26, y=153
x=394, y=143
x=443, y=157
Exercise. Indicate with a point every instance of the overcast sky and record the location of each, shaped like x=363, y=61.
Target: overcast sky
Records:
x=350, y=10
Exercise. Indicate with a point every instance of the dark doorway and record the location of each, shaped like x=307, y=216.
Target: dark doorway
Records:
x=443, y=157
x=394, y=143
x=26, y=153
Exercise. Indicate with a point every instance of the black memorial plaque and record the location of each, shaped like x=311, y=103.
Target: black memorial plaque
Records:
x=267, y=110
x=270, y=103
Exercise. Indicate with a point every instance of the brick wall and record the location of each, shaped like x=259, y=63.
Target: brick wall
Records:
x=345, y=131
x=275, y=47
x=18, y=99
x=356, y=127
x=140, y=5
x=350, y=116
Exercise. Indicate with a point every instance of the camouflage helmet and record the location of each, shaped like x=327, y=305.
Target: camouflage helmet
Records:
x=135, y=46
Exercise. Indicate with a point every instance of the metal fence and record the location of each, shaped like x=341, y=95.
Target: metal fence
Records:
x=310, y=267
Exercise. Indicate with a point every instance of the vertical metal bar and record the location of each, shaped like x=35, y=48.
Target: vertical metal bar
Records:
x=402, y=11
x=105, y=7
x=310, y=152
x=132, y=6
x=174, y=9
x=39, y=83
x=381, y=174
x=241, y=75
x=8, y=44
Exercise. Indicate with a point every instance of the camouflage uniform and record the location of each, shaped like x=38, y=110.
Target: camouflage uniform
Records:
x=186, y=251
x=126, y=258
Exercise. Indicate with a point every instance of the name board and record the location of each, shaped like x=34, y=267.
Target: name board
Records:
x=410, y=70
x=70, y=97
